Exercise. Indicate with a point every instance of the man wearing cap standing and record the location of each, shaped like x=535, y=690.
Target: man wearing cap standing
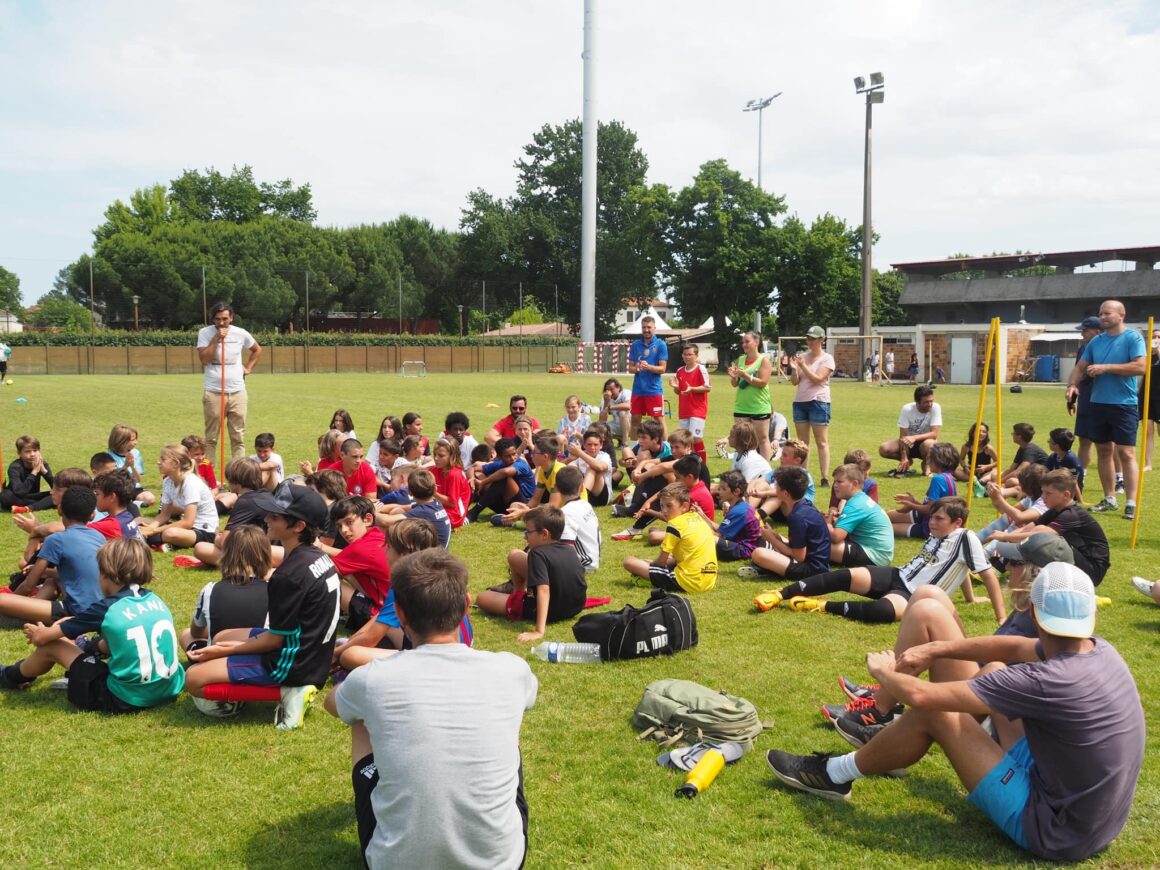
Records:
x=1060, y=780
x=1113, y=360
x=295, y=652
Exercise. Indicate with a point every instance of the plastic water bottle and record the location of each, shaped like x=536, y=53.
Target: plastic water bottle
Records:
x=571, y=653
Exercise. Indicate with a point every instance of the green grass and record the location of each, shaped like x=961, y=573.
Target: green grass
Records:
x=171, y=787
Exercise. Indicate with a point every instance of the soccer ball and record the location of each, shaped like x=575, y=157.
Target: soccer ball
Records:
x=218, y=709
x=9, y=382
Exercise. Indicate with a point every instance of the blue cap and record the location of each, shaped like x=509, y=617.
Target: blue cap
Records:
x=1090, y=323
x=1064, y=601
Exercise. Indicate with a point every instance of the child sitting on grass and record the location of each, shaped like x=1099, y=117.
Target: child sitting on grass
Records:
x=949, y=554
x=544, y=459
x=689, y=470
x=329, y=453
x=136, y=630
x=548, y=579
x=362, y=563
x=114, y=493
x=747, y=459
x=574, y=423
x=421, y=486
x=913, y=520
x=806, y=550
x=1029, y=508
x=597, y=466
x=246, y=480
x=270, y=463
x=505, y=479
x=187, y=514
x=987, y=456
x=65, y=564
x=688, y=557
x=196, y=446
x=739, y=533
x=37, y=531
x=581, y=527
x=1060, y=441
x=1028, y=453
x=295, y=652
x=869, y=485
x=762, y=493
x=860, y=532
x=21, y=492
x=123, y=451
x=239, y=599
x=451, y=487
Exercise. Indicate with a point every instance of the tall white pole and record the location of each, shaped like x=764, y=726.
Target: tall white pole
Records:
x=588, y=181
x=866, y=315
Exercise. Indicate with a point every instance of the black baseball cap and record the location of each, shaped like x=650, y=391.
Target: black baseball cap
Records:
x=1090, y=323
x=298, y=502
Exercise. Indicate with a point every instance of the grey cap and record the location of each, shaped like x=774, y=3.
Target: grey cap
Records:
x=815, y=332
x=1041, y=550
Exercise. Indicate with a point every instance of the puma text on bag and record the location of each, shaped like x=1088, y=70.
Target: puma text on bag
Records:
x=664, y=625
x=676, y=711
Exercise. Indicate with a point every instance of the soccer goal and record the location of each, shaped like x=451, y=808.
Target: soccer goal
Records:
x=602, y=357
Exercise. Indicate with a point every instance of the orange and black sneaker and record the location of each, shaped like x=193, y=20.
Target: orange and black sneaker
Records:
x=864, y=710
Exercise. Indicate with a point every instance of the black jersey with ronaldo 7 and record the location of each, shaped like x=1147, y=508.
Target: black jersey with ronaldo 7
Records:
x=304, y=610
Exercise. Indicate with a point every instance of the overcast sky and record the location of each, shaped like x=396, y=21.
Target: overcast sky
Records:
x=1030, y=125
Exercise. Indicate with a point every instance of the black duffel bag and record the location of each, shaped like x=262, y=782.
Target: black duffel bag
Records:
x=664, y=625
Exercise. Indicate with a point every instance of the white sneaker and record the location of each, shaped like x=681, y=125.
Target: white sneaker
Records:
x=295, y=701
x=1145, y=586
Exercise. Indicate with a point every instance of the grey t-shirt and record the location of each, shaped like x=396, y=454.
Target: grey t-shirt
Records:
x=1085, y=729
x=444, y=722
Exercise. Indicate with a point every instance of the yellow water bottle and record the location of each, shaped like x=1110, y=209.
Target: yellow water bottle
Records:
x=702, y=774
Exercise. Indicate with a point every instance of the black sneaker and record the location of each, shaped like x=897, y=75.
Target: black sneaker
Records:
x=854, y=732
x=807, y=773
x=854, y=691
x=5, y=683
x=863, y=710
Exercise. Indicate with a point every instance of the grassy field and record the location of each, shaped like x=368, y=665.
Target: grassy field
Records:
x=171, y=787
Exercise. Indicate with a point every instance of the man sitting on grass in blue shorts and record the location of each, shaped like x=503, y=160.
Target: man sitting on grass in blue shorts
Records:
x=295, y=652
x=1061, y=777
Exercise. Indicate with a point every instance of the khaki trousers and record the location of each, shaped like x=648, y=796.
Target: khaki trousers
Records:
x=236, y=407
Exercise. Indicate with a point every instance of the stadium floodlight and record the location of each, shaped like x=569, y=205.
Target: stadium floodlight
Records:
x=759, y=105
x=874, y=94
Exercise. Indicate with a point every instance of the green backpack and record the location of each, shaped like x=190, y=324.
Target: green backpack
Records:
x=676, y=711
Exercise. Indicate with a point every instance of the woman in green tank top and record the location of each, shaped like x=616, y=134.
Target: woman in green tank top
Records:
x=750, y=375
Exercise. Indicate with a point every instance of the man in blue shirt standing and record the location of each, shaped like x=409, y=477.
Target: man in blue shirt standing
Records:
x=1113, y=360
x=648, y=360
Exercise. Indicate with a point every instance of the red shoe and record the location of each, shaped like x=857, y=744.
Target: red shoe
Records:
x=21, y=509
x=187, y=562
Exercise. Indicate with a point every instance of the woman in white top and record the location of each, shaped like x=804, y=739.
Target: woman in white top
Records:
x=187, y=514
x=810, y=373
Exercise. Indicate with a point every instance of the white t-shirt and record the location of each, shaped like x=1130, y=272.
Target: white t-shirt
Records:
x=889, y=361
x=945, y=562
x=237, y=340
x=192, y=491
x=752, y=465
x=582, y=527
x=917, y=422
x=373, y=455
x=280, y=471
x=444, y=723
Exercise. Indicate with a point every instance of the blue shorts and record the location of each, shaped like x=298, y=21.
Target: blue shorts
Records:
x=1003, y=793
x=1117, y=423
x=248, y=670
x=815, y=413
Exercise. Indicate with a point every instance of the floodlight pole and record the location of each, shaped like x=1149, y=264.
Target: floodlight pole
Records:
x=588, y=181
x=759, y=105
x=874, y=94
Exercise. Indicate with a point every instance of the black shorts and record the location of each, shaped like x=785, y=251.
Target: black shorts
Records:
x=885, y=580
x=727, y=551
x=365, y=776
x=59, y=612
x=796, y=570
x=599, y=499
x=88, y=687
x=663, y=578
x=204, y=537
x=754, y=417
x=358, y=612
x=854, y=556
x=1116, y=423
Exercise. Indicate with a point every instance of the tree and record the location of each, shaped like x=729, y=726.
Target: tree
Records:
x=10, y=300
x=819, y=274
x=534, y=237
x=237, y=198
x=56, y=312
x=724, y=246
x=888, y=288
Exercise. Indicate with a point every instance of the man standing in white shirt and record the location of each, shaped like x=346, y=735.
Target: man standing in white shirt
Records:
x=219, y=347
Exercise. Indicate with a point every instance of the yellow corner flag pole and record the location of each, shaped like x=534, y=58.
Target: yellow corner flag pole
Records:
x=991, y=342
x=1140, y=474
x=998, y=404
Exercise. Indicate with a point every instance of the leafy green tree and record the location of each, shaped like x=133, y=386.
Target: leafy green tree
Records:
x=724, y=247
x=819, y=274
x=238, y=198
x=10, y=300
x=888, y=287
x=147, y=209
x=55, y=312
x=529, y=314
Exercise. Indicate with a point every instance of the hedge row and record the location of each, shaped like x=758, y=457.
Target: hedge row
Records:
x=159, y=338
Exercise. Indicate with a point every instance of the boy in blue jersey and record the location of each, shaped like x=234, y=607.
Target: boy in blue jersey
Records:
x=64, y=565
x=137, y=635
x=806, y=550
x=912, y=520
x=506, y=479
x=295, y=652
